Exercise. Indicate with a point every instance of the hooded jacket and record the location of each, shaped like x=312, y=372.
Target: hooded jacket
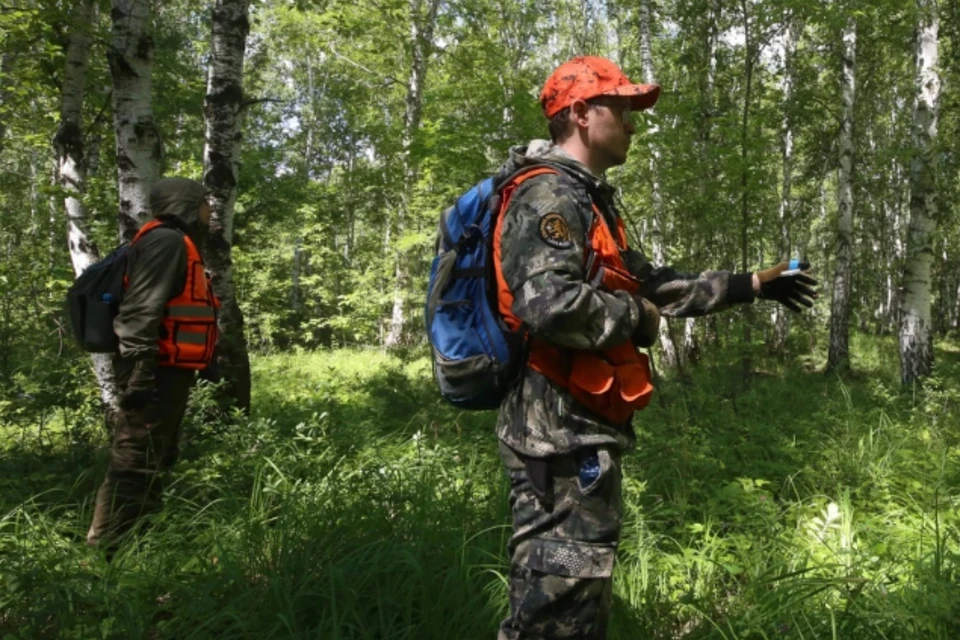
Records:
x=542, y=261
x=157, y=265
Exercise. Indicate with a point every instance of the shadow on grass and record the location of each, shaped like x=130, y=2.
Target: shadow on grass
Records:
x=48, y=474
x=324, y=517
x=413, y=551
x=793, y=429
x=362, y=406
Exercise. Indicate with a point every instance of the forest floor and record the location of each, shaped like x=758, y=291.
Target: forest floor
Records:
x=354, y=504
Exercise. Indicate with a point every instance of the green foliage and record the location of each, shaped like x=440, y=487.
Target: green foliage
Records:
x=322, y=175
x=354, y=505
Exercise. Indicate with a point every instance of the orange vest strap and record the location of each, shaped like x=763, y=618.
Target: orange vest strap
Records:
x=188, y=331
x=504, y=294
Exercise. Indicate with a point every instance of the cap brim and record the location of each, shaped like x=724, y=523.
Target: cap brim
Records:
x=642, y=96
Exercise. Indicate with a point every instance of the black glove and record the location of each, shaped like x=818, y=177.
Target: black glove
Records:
x=789, y=290
x=142, y=388
x=648, y=329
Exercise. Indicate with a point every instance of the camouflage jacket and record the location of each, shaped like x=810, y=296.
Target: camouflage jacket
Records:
x=545, y=272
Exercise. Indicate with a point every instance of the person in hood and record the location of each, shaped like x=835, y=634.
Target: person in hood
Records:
x=167, y=331
x=586, y=301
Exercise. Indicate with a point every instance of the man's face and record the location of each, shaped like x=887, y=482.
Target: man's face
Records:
x=610, y=129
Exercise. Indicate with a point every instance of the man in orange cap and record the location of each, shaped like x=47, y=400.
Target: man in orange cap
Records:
x=586, y=301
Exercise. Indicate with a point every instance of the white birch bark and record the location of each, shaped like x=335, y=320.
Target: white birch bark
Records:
x=750, y=56
x=223, y=107
x=71, y=170
x=895, y=219
x=955, y=316
x=69, y=143
x=691, y=350
x=781, y=323
x=713, y=36
x=838, y=355
x=711, y=330
x=916, y=339
x=670, y=356
x=691, y=347
x=421, y=40
x=295, y=302
x=139, y=149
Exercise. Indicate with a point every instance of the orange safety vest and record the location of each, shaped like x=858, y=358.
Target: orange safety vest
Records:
x=612, y=383
x=188, y=333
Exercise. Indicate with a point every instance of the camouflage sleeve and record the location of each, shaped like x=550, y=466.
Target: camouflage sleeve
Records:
x=542, y=249
x=682, y=295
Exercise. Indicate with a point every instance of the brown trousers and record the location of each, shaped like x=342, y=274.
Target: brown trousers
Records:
x=145, y=444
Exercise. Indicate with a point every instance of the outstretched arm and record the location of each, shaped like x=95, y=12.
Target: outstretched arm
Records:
x=681, y=295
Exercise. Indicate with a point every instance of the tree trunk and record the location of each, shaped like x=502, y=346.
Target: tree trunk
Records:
x=421, y=42
x=744, y=178
x=916, y=341
x=781, y=324
x=838, y=355
x=894, y=275
x=691, y=350
x=71, y=171
x=6, y=63
x=296, y=301
x=139, y=149
x=670, y=355
x=942, y=310
x=223, y=107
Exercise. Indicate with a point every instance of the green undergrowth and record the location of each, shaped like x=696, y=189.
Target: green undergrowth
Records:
x=354, y=504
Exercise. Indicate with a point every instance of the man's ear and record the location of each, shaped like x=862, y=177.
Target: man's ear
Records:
x=578, y=112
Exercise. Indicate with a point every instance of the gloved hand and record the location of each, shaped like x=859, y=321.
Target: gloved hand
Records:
x=645, y=335
x=142, y=388
x=790, y=290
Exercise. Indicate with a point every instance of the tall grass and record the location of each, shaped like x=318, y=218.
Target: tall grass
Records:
x=353, y=504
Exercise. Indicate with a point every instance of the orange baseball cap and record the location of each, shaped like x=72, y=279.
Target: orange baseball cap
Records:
x=586, y=77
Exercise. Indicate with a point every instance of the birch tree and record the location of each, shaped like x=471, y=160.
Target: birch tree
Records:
x=669, y=353
x=221, y=167
x=750, y=53
x=139, y=148
x=423, y=19
x=781, y=321
x=705, y=124
x=5, y=64
x=71, y=169
x=838, y=356
x=916, y=340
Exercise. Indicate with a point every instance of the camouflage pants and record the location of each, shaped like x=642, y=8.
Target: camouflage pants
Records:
x=563, y=548
x=145, y=444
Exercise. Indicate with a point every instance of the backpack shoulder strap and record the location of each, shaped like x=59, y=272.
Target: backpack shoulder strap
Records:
x=155, y=224
x=507, y=186
x=512, y=182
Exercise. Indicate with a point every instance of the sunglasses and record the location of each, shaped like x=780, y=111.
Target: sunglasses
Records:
x=624, y=111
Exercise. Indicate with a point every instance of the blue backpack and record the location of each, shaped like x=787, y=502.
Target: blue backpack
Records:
x=476, y=357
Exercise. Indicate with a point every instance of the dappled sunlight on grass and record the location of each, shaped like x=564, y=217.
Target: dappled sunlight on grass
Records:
x=355, y=504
